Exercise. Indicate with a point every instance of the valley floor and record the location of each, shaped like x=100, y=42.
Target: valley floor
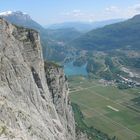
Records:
x=113, y=111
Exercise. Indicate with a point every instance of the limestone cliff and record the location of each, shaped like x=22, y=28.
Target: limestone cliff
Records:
x=28, y=110
x=58, y=87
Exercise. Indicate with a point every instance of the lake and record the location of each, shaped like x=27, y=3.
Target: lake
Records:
x=70, y=69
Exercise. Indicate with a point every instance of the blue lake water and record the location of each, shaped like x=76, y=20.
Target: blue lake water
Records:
x=70, y=69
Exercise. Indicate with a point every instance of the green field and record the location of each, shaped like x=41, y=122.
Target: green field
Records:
x=107, y=108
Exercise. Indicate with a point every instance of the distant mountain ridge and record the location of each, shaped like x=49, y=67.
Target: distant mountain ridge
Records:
x=83, y=26
x=63, y=34
x=22, y=19
x=120, y=35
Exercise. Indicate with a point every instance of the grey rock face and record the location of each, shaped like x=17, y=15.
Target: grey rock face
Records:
x=58, y=86
x=27, y=109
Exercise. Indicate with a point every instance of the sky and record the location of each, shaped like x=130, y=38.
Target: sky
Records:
x=56, y=11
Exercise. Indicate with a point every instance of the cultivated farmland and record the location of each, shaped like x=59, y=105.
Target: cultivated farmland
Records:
x=113, y=111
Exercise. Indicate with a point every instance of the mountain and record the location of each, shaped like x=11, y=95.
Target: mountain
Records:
x=63, y=34
x=110, y=50
x=83, y=26
x=34, y=100
x=53, y=40
x=21, y=19
x=120, y=35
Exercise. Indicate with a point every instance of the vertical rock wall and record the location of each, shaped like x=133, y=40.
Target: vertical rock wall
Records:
x=58, y=87
x=28, y=111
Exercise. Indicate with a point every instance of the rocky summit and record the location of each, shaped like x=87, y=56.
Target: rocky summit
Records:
x=34, y=102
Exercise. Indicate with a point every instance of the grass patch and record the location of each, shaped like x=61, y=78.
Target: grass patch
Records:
x=92, y=133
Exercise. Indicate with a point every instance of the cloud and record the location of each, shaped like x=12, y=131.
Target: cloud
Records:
x=74, y=13
x=136, y=7
x=78, y=15
x=110, y=12
x=125, y=12
x=131, y=11
x=112, y=9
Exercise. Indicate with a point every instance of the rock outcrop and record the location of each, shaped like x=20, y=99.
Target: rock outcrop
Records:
x=28, y=110
x=58, y=87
